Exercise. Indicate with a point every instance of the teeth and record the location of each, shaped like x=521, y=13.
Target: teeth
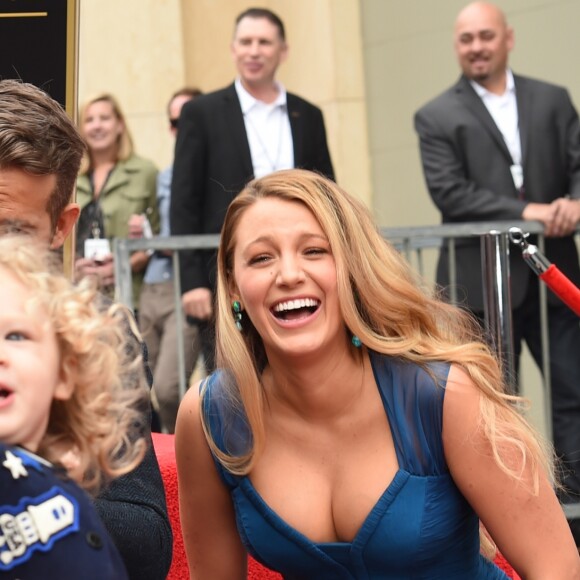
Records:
x=295, y=304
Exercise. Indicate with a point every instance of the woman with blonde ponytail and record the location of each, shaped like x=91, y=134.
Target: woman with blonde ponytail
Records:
x=357, y=426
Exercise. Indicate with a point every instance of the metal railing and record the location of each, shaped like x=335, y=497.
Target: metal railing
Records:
x=122, y=249
x=411, y=241
x=495, y=251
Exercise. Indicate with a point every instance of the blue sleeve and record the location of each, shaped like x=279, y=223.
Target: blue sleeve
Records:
x=226, y=420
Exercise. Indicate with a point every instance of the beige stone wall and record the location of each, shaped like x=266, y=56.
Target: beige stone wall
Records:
x=409, y=58
x=142, y=50
x=132, y=48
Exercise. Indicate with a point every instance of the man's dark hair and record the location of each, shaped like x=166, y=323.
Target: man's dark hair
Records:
x=264, y=13
x=38, y=137
x=191, y=92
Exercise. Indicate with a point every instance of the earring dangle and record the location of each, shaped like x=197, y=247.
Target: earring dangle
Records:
x=237, y=308
x=356, y=341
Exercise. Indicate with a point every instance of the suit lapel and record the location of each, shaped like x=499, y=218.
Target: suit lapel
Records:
x=524, y=101
x=235, y=123
x=471, y=100
x=297, y=128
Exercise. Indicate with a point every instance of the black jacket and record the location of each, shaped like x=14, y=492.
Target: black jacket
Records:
x=133, y=506
x=213, y=163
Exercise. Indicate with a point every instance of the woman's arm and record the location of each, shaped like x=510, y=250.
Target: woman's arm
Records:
x=213, y=546
x=530, y=530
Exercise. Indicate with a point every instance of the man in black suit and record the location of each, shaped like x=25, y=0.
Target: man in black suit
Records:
x=498, y=146
x=230, y=136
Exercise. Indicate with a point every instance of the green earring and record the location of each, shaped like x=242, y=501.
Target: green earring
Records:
x=237, y=308
x=356, y=341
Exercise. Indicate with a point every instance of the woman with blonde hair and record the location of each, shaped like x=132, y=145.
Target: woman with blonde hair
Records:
x=357, y=426
x=71, y=410
x=114, y=185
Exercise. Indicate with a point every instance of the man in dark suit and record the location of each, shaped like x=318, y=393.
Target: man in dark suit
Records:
x=230, y=136
x=497, y=146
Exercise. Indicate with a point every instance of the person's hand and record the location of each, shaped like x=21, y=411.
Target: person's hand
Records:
x=106, y=271
x=136, y=226
x=566, y=216
x=102, y=270
x=559, y=217
x=197, y=303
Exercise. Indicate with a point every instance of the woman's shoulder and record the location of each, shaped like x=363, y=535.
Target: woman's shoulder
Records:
x=425, y=380
x=137, y=163
x=217, y=394
x=83, y=186
x=203, y=397
x=224, y=414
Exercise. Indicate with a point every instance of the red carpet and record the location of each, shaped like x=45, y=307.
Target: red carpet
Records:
x=164, y=448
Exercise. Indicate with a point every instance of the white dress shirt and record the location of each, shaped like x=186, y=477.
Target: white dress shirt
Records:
x=504, y=111
x=268, y=130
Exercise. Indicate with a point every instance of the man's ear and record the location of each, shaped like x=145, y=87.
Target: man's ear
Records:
x=284, y=55
x=510, y=38
x=65, y=224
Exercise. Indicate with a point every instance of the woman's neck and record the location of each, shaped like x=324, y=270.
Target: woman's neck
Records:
x=320, y=390
x=104, y=158
x=100, y=174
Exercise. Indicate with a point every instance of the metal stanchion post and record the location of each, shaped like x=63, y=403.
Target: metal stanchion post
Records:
x=123, y=276
x=497, y=301
x=179, y=325
x=538, y=263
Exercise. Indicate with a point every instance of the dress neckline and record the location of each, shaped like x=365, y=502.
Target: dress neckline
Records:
x=385, y=499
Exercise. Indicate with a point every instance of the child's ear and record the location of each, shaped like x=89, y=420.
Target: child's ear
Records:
x=67, y=380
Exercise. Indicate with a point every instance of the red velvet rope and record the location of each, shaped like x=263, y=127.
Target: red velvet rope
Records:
x=568, y=292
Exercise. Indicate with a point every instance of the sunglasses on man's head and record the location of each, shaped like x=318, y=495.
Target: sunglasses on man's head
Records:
x=173, y=123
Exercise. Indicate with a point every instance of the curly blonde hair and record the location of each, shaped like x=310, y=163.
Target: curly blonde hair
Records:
x=101, y=426
x=385, y=304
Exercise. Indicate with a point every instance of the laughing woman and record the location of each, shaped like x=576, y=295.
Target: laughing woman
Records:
x=356, y=427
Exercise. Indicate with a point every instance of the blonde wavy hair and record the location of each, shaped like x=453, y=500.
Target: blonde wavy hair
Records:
x=101, y=427
x=385, y=304
x=125, y=147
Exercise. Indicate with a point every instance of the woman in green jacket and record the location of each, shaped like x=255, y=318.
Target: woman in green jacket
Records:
x=114, y=184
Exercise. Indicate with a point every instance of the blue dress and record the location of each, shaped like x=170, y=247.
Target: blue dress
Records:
x=420, y=528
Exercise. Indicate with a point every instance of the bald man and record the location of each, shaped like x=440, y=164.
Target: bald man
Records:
x=499, y=146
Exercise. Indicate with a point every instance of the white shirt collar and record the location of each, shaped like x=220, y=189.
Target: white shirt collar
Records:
x=247, y=101
x=509, y=85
